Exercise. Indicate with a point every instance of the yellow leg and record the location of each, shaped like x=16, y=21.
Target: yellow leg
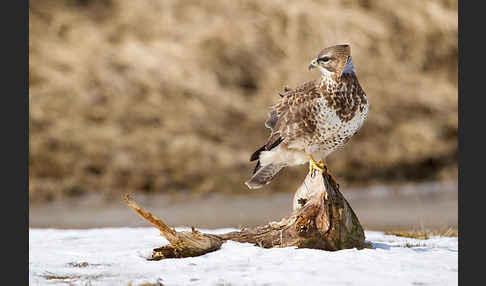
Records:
x=320, y=166
x=314, y=165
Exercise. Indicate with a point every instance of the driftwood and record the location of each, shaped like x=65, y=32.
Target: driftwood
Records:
x=321, y=219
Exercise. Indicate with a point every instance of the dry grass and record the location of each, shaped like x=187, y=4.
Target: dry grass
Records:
x=147, y=284
x=72, y=279
x=80, y=264
x=426, y=233
x=161, y=96
x=58, y=277
x=413, y=245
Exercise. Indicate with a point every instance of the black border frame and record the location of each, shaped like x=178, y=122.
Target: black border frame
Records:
x=15, y=140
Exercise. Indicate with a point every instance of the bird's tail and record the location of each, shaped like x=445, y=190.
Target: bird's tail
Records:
x=263, y=175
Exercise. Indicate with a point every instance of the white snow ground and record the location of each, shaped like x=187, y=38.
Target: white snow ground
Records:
x=117, y=256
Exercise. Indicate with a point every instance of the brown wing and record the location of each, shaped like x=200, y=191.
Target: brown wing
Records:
x=291, y=118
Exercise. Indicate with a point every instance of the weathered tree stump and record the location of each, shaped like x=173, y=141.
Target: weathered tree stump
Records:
x=321, y=219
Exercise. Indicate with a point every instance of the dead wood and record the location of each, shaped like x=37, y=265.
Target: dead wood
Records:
x=321, y=219
x=182, y=244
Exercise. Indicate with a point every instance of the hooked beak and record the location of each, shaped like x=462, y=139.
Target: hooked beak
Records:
x=312, y=65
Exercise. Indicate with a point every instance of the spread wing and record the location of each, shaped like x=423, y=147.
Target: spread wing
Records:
x=292, y=117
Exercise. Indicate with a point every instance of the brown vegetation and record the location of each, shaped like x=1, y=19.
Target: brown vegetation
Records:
x=161, y=96
x=426, y=233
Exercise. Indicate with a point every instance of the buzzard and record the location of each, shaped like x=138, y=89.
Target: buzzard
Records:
x=314, y=119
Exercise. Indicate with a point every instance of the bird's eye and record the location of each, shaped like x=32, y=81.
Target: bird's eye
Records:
x=323, y=59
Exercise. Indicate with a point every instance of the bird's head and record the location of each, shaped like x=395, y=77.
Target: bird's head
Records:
x=333, y=60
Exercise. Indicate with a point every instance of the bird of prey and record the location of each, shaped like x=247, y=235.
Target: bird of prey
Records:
x=314, y=119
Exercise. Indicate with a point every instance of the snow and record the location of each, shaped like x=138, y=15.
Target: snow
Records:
x=117, y=256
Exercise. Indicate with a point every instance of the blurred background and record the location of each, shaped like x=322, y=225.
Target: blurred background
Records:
x=167, y=99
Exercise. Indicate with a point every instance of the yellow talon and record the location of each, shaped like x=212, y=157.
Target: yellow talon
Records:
x=314, y=165
x=320, y=166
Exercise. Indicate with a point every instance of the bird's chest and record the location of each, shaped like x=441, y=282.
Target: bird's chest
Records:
x=339, y=117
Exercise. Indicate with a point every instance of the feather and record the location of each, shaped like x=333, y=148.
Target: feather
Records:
x=264, y=175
